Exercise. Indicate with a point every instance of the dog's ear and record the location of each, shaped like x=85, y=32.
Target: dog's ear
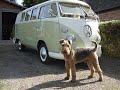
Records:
x=70, y=42
x=61, y=41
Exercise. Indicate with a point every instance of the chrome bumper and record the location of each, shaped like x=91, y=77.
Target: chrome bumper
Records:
x=99, y=51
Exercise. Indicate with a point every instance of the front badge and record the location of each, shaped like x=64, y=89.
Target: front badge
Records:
x=87, y=30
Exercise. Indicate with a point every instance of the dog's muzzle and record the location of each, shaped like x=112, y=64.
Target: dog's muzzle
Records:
x=64, y=51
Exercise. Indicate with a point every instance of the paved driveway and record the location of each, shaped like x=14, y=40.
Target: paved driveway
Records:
x=23, y=71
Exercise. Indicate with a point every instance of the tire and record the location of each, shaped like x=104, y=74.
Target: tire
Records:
x=21, y=47
x=43, y=54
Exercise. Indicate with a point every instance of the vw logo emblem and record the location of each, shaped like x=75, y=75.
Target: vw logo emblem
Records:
x=87, y=30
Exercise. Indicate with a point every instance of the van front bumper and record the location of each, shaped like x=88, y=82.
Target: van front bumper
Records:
x=61, y=57
x=99, y=51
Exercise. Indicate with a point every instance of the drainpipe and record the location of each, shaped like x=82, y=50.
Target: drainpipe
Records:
x=0, y=25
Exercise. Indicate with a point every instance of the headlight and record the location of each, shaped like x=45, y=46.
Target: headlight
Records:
x=70, y=37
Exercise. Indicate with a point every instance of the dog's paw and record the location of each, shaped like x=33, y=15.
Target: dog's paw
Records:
x=90, y=77
x=100, y=79
x=73, y=81
x=66, y=78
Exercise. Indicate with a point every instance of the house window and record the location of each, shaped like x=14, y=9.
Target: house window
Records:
x=28, y=14
x=34, y=14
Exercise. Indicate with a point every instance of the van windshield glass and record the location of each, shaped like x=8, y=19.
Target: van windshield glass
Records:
x=73, y=10
x=89, y=11
x=70, y=10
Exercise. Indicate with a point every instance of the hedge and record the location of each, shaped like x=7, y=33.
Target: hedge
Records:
x=110, y=38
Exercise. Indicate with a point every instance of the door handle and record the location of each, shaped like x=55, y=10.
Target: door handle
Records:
x=36, y=27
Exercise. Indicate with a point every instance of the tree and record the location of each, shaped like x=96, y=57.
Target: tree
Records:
x=29, y=3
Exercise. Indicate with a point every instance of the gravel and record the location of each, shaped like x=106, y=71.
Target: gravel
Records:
x=23, y=71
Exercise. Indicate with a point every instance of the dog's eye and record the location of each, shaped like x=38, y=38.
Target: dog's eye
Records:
x=67, y=45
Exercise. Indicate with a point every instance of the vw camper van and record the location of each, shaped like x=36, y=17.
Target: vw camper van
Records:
x=42, y=26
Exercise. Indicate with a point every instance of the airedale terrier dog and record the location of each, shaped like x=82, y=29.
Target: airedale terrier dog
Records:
x=74, y=56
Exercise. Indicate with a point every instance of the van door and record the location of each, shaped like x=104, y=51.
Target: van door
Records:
x=34, y=26
x=31, y=26
x=50, y=26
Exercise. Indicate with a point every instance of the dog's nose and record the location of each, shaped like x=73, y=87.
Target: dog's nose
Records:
x=63, y=45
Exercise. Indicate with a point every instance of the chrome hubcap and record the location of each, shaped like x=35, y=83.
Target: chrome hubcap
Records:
x=43, y=54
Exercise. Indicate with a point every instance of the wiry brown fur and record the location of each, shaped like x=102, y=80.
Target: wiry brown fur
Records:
x=73, y=56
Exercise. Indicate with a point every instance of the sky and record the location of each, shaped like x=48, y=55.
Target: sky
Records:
x=19, y=1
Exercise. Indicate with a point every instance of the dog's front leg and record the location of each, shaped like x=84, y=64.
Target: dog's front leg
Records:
x=67, y=66
x=73, y=70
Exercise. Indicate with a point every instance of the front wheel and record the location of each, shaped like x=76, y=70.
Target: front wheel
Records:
x=43, y=54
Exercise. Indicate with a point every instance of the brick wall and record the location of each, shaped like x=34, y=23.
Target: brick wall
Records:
x=7, y=5
x=110, y=15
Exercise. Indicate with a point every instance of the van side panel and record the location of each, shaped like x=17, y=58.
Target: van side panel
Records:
x=20, y=32
x=50, y=33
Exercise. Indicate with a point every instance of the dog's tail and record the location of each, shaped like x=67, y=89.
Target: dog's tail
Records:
x=95, y=46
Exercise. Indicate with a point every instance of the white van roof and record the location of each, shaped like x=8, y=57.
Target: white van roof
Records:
x=47, y=2
x=70, y=1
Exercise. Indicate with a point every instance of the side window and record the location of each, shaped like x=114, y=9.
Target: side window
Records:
x=44, y=12
x=54, y=8
x=48, y=11
x=22, y=17
x=34, y=14
x=28, y=14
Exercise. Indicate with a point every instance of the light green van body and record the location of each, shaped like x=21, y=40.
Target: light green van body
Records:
x=51, y=30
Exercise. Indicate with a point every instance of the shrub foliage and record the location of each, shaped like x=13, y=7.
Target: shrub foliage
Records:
x=110, y=34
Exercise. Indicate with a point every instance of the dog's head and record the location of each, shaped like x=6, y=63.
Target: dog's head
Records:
x=65, y=46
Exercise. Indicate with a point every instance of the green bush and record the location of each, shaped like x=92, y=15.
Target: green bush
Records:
x=110, y=34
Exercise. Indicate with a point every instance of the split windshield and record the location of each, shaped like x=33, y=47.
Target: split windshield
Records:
x=71, y=10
